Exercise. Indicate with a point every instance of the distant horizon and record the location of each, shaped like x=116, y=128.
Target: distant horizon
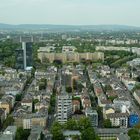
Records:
x=69, y=24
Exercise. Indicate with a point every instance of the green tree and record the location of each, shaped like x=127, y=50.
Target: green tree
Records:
x=41, y=86
x=56, y=131
x=7, y=52
x=137, y=87
x=133, y=132
x=22, y=134
x=18, y=97
x=9, y=121
x=10, y=61
x=84, y=123
x=107, y=123
x=107, y=88
x=89, y=134
x=21, y=75
x=69, y=89
x=34, y=102
x=112, y=98
x=134, y=137
x=52, y=103
x=72, y=124
x=2, y=72
x=33, y=72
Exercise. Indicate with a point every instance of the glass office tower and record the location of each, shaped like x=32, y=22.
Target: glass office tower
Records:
x=27, y=52
x=24, y=59
x=19, y=59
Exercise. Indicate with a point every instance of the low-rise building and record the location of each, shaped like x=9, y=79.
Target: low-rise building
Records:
x=5, y=104
x=111, y=133
x=9, y=133
x=69, y=49
x=28, y=120
x=118, y=119
x=35, y=133
x=86, y=103
x=28, y=103
x=42, y=104
x=104, y=102
x=105, y=71
x=112, y=48
x=108, y=110
x=40, y=74
x=76, y=105
x=47, y=49
x=123, y=101
x=12, y=90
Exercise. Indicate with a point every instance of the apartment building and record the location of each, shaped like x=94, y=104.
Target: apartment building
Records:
x=64, y=108
x=118, y=119
x=93, y=116
x=70, y=56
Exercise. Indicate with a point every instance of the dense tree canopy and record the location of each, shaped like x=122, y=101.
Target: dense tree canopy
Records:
x=83, y=124
x=9, y=121
x=134, y=134
x=7, y=52
x=22, y=134
x=56, y=131
x=18, y=97
x=89, y=134
x=107, y=123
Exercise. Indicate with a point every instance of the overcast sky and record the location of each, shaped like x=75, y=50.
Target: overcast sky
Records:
x=71, y=12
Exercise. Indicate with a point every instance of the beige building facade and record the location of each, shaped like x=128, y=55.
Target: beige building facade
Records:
x=70, y=57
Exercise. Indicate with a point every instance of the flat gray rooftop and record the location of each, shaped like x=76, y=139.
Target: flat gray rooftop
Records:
x=111, y=131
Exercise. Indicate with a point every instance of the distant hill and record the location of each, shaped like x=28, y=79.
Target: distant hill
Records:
x=67, y=27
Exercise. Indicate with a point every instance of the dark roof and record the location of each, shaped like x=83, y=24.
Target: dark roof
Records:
x=117, y=115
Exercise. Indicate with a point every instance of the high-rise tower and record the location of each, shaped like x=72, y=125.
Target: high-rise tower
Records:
x=24, y=58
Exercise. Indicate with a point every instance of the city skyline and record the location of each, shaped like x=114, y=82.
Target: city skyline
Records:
x=74, y=12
